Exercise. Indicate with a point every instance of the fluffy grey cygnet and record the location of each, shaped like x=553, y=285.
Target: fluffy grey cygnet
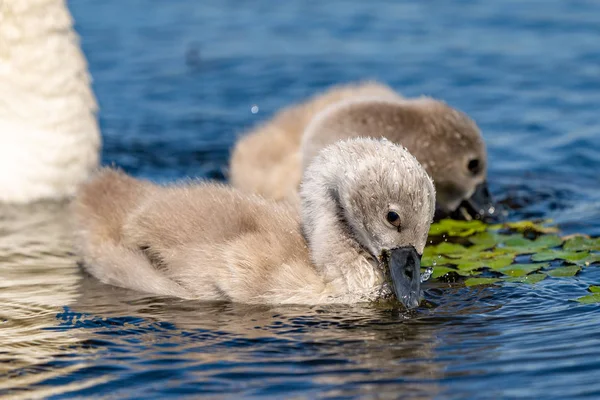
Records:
x=271, y=158
x=366, y=208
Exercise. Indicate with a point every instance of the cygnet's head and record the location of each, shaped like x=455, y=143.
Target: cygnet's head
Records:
x=373, y=196
x=445, y=141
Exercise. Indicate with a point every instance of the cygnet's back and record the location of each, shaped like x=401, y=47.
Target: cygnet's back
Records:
x=178, y=240
x=270, y=159
x=367, y=205
x=267, y=161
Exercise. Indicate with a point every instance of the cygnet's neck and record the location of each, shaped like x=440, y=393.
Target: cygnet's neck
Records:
x=335, y=249
x=47, y=109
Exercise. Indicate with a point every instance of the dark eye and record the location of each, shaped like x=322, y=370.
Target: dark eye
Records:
x=474, y=166
x=393, y=218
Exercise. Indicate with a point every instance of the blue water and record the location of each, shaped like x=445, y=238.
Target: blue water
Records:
x=176, y=81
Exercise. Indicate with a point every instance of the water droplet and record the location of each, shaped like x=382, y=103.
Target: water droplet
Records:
x=254, y=109
x=427, y=274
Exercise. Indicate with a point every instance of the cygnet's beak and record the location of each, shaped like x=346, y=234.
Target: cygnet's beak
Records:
x=404, y=264
x=479, y=206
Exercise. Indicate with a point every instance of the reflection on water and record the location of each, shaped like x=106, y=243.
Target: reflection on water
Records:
x=39, y=276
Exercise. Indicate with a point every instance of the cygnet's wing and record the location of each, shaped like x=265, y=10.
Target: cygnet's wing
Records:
x=267, y=160
x=201, y=240
x=222, y=244
x=101, y=209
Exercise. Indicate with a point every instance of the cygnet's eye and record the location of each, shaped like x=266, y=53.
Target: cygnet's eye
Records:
x=474, y=166
x=393, y=219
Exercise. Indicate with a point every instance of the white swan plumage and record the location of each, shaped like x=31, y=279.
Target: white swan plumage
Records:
x=49, y=134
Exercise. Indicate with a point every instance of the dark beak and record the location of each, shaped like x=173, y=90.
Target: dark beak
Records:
x=479, y=206
x=405, y=270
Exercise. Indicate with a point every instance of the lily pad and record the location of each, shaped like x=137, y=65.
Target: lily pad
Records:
x=495, y=254
x=518, y=270
x=570, y=256
x=484, y=240
x=530, y=279
x=480, y=281
x=547, y=241
x=441, y=271
x=562, y=272
x=580, y=243
x=514, y=240
x=587, y=261
x=479, y=246
x=590, y=298
x=594, y=289
x=521, y=245
x=494, y=264
x=527, y=226
x=435, y=260
x=457, y=228
x=448, y=248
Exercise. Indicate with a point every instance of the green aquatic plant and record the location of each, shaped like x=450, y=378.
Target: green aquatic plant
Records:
x=480, y=281
x=517, y=252
x=531, y=279
x=592, y=298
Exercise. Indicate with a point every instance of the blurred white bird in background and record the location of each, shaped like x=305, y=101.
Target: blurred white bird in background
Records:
x=49, y=135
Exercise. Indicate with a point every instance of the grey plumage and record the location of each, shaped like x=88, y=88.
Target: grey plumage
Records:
x=210, y=241
x=271, y=158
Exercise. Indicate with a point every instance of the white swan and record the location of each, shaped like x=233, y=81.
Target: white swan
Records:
x=49, y=136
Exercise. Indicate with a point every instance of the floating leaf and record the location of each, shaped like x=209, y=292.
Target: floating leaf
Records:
x=587, y=261
x=580, y=243
x=589, y=299
x=441, y=271
x=444, y=252
x=514, y=240
x=449, y=248
x=517, y=270
x=480, y=281
x=528, y=226
x=487, y=255
x=530, y=279
x=498, y=251
x=594, y=289
x=439, y=261
x=563, y=272
x=484, y=240
x=547, y=241
x=435, y=260
x=483, y=246
x=495, y=263
x=484, y=237
x=570, y=256
x=457, y=228
x=521, y=245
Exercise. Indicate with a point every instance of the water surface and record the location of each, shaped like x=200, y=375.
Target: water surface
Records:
x=176, y=82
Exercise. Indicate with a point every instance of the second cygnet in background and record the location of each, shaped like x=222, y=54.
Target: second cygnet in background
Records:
x=271, y=158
